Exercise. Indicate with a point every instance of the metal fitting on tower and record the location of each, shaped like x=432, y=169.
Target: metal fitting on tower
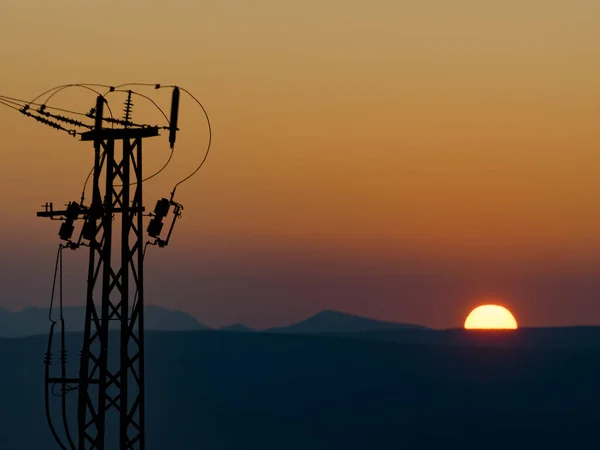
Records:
x=71, y=214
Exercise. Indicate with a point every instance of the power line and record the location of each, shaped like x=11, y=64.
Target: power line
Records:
x=15, y=100
x=10, y=106
x=57, y=89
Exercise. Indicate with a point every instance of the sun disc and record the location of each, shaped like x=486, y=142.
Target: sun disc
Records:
x=490, y=317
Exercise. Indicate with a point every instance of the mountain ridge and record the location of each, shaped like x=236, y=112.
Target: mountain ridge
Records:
x=34, y=320
x=331, y=321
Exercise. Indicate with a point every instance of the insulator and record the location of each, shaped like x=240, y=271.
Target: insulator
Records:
x=71, y=214
x=155, y=227
x=128, y=107
x=43, y=120
x=88, y=231
x=160, y=211
x=63, y=356
x=66, y=230
x=48, y=358
x=174, y=116
x=162, y=208
x=49, y=123
x=123, y=122
x=64, y=119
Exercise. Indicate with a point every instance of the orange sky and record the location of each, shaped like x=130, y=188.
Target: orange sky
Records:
x=446, y=132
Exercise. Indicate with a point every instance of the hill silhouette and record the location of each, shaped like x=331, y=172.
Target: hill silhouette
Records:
x=34, y=320
x=227, y=390
x=329, y=321
x=240, y=327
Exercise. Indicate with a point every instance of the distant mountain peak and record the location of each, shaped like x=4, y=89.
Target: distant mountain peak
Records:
x=236, y=327
x=332, y=313
x=332, y=321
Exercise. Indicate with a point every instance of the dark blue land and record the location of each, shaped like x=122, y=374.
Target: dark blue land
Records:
x=385, y=389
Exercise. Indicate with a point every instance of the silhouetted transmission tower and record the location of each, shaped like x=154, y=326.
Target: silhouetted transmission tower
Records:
x=110, y=381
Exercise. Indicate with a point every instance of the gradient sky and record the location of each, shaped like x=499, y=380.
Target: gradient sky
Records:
x=404, y=160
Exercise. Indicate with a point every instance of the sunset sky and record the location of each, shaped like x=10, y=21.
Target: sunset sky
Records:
x=404, y=160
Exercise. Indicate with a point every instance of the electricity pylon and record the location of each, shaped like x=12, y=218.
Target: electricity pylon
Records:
x=112, y=278
x=110, y=382
x=121, y=387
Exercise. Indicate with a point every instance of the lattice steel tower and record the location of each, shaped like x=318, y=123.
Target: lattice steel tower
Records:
x=110, y=383
x=109, y=287
x=115, y=287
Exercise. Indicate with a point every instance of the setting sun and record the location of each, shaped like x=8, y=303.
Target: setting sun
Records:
x=487, y=317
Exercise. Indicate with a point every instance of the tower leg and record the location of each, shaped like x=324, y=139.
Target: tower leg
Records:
x=112, y=381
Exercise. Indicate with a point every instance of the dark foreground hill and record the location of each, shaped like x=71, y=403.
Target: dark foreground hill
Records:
x=222, y=390
x=542, y=338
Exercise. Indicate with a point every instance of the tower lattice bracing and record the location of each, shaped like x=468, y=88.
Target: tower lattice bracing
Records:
x=112, y=363
x=110, y=385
